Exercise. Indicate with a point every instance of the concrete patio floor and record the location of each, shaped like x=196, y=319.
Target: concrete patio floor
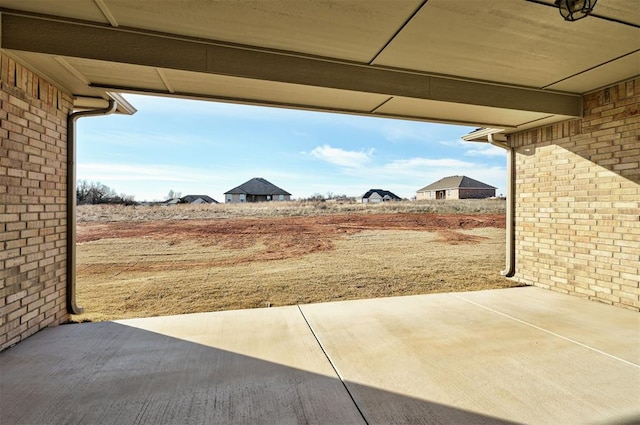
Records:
x=520, y=355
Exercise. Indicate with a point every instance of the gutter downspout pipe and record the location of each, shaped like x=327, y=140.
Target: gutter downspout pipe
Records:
x=72, y=307
x=500, y=140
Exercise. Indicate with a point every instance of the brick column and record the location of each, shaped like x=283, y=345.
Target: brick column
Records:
x=578, y=200
x=33, y=114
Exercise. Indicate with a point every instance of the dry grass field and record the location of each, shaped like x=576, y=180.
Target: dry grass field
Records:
x=150, y=261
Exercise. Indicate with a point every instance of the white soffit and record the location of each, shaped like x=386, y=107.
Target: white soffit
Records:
x=465, y=114
x=345, y=29
x=109, y=76
x=54, y=70
x=602, y=75
x=118, y=74
x=513, y=42
x=351, y=30
x=626, y=10
x=86, y=10
x=620, y=10
x=460, y=48
x=268, y=92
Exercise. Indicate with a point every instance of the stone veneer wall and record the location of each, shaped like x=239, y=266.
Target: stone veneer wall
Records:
x=33, y=155
x=578, y=200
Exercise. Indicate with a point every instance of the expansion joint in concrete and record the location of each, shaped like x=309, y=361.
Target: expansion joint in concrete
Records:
x=333, y=366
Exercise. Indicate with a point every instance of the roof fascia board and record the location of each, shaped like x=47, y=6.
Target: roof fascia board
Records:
x=58, y=36
x=481, y=135
x=87, y=103
x=123, y=105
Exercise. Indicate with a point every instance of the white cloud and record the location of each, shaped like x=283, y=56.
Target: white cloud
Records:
x=475, y=148
x=485, y=149
x=401, y=131
x=152, y=139
x=422, y=163
x=344, y=158
x=125, y=172
x=454, y=143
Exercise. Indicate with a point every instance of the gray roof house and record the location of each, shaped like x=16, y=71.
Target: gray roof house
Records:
x=379, y=195
x=256, y=190
x=190, y=199
x=197, y=199
x=456, y=187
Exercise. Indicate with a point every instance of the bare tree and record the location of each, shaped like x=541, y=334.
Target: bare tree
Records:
x=172, y=194
x=98, y=193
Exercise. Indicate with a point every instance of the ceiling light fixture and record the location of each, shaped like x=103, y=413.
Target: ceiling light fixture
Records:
x=572, y=10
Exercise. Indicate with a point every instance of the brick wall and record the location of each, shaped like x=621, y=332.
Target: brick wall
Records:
x=32, y=203
x=475, y=193
x=578, y=200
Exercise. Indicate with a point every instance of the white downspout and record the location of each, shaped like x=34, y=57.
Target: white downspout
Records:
x=72, y=307
x=500, y=140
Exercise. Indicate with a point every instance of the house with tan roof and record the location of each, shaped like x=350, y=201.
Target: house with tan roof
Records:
x=456, y=187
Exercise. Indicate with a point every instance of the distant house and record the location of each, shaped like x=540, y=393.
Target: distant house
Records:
x=171, y=202
x=190, y=199
x=379, y=195
x=256, y=190
x=456, y=187
x=198, y=199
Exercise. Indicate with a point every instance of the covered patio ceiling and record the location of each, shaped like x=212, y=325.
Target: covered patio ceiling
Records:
x=507, y=64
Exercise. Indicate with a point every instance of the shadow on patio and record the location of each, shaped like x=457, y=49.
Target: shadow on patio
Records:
x=491, y=357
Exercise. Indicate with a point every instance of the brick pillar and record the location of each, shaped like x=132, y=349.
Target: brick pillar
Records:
x=578, y=200
x=33, y=154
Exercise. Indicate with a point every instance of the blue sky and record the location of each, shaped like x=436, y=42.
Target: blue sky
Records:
x=208, y=148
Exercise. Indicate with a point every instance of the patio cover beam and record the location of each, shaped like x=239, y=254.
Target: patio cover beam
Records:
x=88, y=40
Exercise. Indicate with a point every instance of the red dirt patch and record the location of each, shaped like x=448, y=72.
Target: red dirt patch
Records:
x=287, y=237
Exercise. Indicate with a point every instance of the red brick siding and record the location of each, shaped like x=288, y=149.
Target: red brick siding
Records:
x=32, y=203
x=475, y=193
x=578, y=200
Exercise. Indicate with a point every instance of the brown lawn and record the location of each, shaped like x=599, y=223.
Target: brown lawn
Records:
x=149, y=267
